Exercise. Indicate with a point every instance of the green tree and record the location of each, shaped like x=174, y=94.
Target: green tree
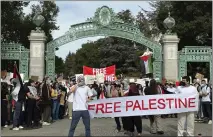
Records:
x=16, y=26
x=70, y=65
x=12, y=17
x=59, y=65
x=193, y=20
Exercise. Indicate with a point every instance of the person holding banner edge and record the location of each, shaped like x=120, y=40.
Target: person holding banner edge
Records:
x=81, y=95
x=185, y=123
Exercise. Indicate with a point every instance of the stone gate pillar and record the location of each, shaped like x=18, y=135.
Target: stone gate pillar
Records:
x=170, y=50
x=37, y=48
x=170, y=56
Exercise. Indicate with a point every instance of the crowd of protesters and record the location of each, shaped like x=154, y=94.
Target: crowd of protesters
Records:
x=39, y=104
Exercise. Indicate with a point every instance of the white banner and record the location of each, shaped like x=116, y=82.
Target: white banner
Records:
x=143, y=105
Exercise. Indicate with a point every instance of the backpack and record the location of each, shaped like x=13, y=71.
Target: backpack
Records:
x=210, y=95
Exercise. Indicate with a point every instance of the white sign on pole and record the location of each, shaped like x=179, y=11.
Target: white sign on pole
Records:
x=100, y=78
x=89, y=79
x=142, y=82
x=77, y=75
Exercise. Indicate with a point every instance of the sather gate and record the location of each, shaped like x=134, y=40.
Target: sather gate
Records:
x=14, y=51
x=104, y=23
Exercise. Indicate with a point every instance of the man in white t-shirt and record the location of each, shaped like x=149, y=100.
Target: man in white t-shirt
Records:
x=186, y=119
x=81, y=95
x=70, y=99
x=206, y=101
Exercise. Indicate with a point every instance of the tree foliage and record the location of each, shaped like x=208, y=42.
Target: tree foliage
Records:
x=193, y=20
x=59, y=65
x=16, y=26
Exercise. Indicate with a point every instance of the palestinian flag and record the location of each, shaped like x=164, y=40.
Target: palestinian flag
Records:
x=147, y=59
x=16, y=74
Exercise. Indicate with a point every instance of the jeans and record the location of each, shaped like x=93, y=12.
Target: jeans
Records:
x=118, y=124
x=55, y=109
x=17, y=114
x=76, y=115
x=207, y=110
x=4, y=112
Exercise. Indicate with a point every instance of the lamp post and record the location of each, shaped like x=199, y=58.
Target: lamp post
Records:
x=38, y=20
x=169, y=23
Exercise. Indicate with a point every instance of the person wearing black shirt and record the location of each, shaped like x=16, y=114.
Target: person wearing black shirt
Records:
x=32, y=108
x=4, y=102
x=23, y=93
x=134, y=120
x=155, y=124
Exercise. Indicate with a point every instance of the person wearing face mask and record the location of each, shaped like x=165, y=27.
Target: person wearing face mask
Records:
x=32, y=109
x=206, y=101
x=45, y=101
x=81, y=96
x=185, y=123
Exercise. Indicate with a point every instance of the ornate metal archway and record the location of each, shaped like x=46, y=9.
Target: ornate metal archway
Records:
x=104, y=23
x=194, y=54
x=17, y=52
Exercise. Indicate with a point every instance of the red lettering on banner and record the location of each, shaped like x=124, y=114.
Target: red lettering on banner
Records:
x=152, y=103
x=116, y=105
x=175, y=103
x=109, y=72
x=183, y=103
x=143, y=105
x=128, y=105
x=108, y=107
x=100, y=107
x=136, y=105
x=161, y=103
x=170, y=102
x=91, y=107
x=191, y=102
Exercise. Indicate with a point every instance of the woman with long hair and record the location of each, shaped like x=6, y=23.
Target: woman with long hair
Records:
x=155, y=126
x=45, y=101
x=114, y=94
x=134, y=121
x=55, y=94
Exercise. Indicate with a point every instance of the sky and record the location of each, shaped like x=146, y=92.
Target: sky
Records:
x=73, y=12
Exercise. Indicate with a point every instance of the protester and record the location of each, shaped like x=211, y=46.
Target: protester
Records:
x=113, y=93
x=46, y=101
x=155, y=124
x=70, y=100
x=185, y=122
x=31, y=106
x=55, y=94
x=4, y=102
x=82, y=94
x=206, y=101
x=62, y=102
x=134, y=120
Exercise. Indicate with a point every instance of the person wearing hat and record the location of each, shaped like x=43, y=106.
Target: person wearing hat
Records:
x=81, y=96
x=134, y=121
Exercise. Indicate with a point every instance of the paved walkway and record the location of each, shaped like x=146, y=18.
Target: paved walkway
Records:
x=103, y=127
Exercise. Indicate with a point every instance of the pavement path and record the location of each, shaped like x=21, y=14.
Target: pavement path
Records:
x=103, y=127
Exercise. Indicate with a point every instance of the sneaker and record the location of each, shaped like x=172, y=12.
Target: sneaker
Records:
x=45, y=124
x=20, y=127
x=210, y=122
x=5, y=126
x=15, y=129
x=70, y=118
